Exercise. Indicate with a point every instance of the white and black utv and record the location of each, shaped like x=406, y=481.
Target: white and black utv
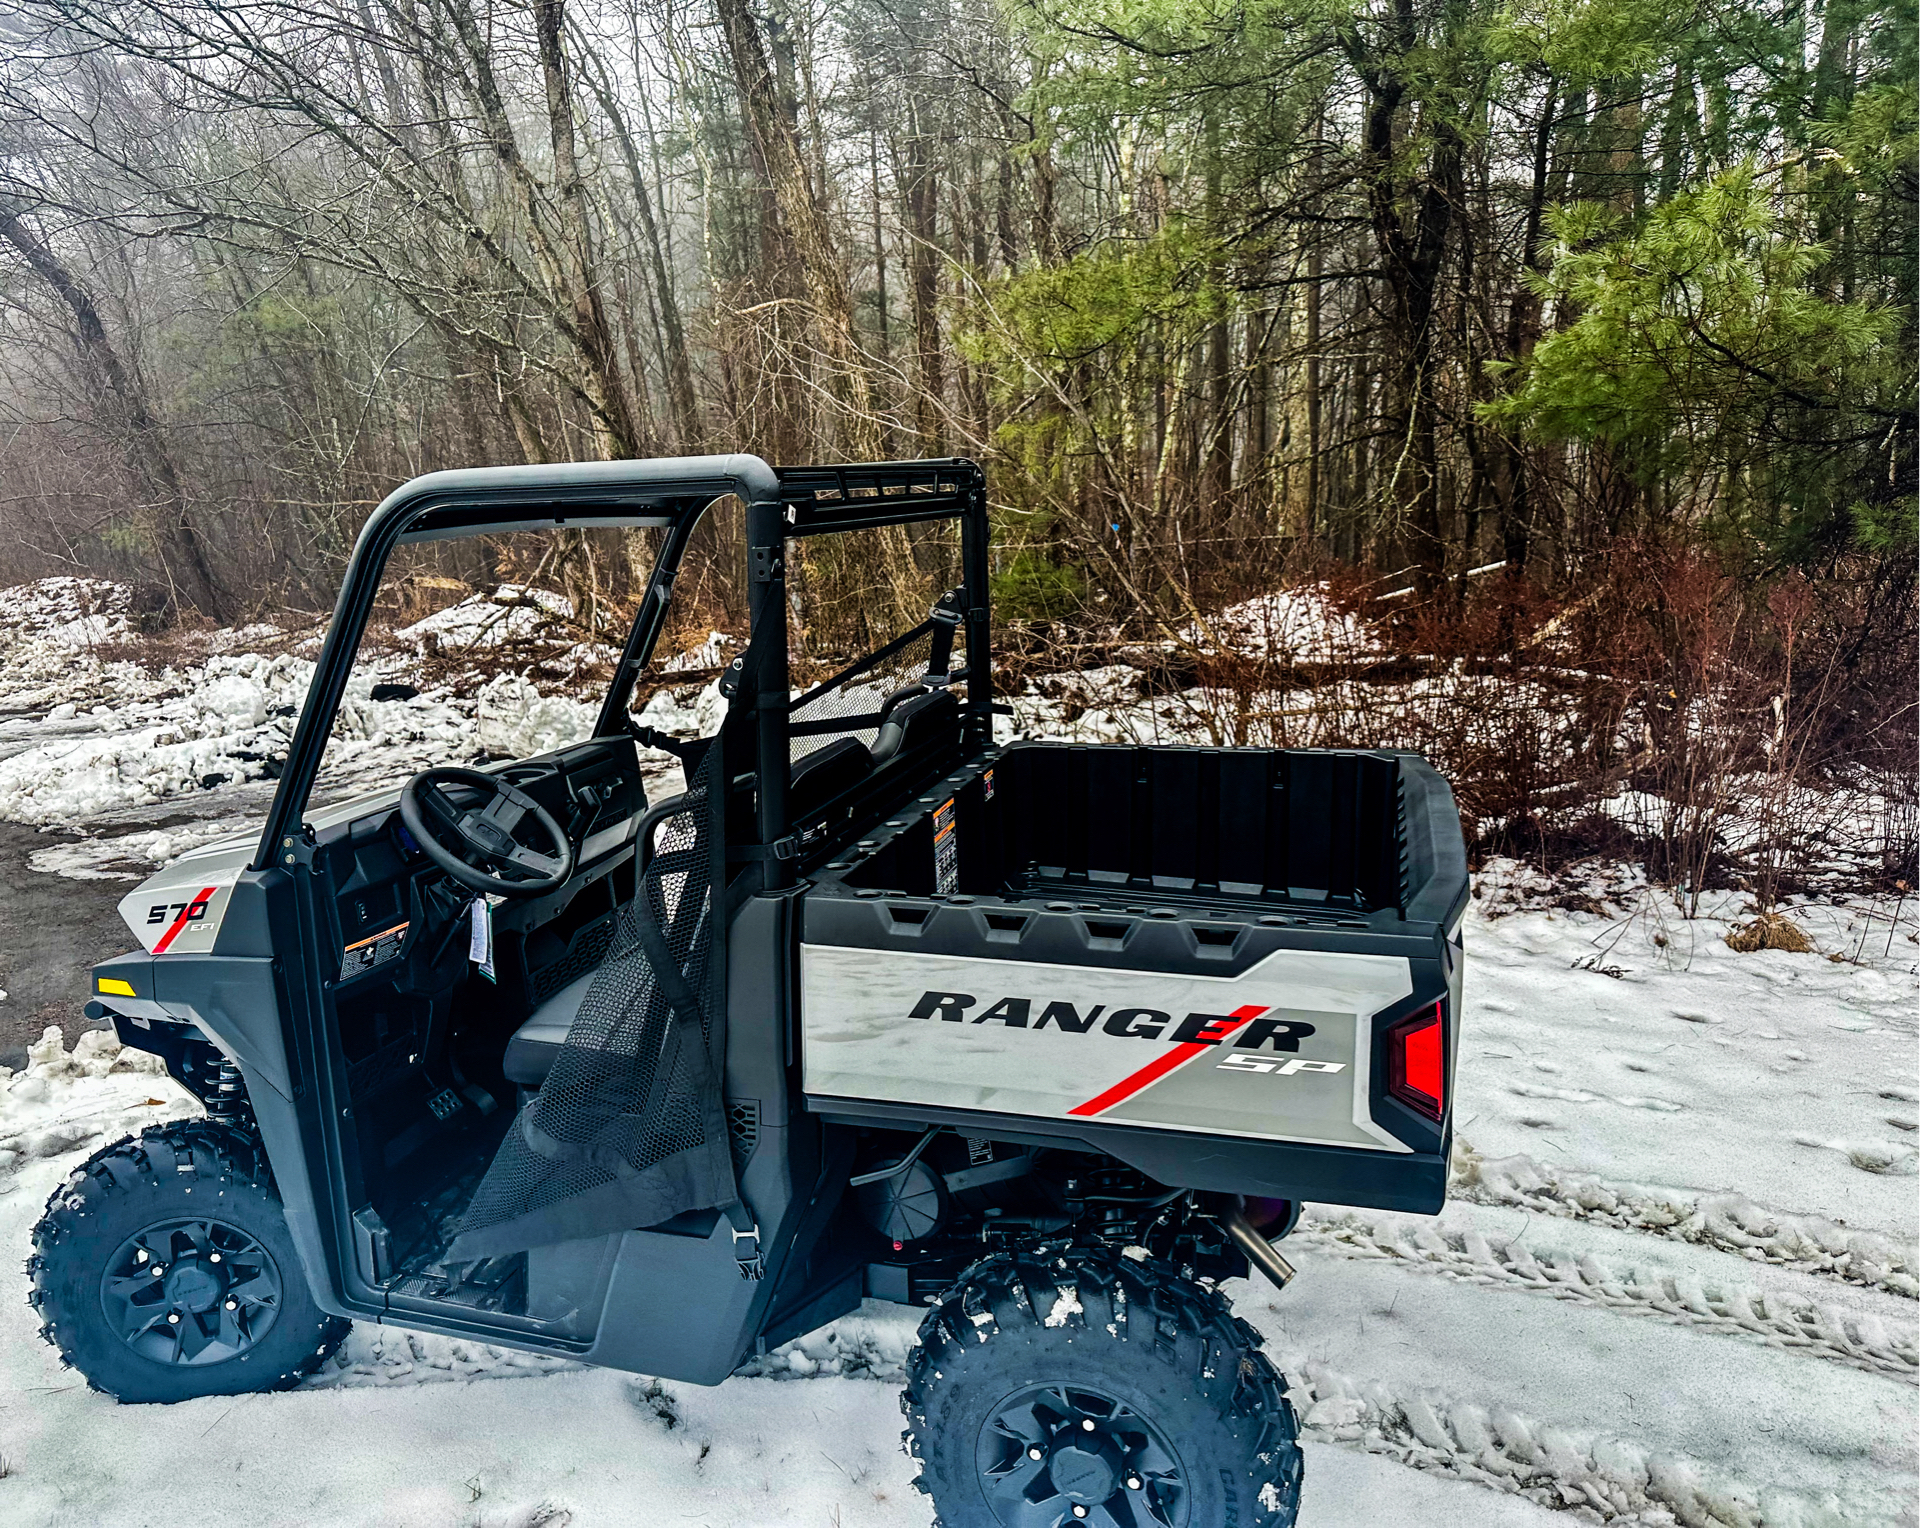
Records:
x=1047, y=1039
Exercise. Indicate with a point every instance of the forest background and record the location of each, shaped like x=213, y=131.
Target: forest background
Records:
x=1565, y=350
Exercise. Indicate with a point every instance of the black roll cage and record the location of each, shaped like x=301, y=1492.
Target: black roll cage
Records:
x=671, y=494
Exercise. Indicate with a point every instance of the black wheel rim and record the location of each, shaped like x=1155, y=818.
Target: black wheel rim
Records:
x=191, y=1292
x=1057, y=1456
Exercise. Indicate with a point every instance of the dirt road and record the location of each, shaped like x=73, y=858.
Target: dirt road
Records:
x=52, y=930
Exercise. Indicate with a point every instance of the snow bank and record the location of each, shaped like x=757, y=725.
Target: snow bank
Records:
x=513, y=720
x=73, y=614
x=70, y=1101
x=1109, y=704
x=228, y=720
x=102, y=737
x=1297, y=625
x=509, y=614
x=686, y=711
x=716, y=650
x=133, y=856
x=49, y=631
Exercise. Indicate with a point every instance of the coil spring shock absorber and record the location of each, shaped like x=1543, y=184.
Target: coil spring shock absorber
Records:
x=226, y=1099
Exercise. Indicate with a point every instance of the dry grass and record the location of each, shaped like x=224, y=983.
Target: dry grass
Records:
x=1770, y=931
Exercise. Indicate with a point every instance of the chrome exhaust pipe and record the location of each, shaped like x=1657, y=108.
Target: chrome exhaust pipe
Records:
x=1260, y=1252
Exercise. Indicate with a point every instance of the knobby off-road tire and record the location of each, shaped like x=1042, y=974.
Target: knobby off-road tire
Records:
x=163, y=1270
x=1080, y=1385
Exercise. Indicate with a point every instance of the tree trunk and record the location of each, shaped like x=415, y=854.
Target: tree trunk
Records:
x=1411, y=259
x=1523, y=331
x=1216, y=466
x=879, y=247
x=182, y=553
x=606, y=385
x=805, y=223
x=922, y=178
x=1315, y=439
x=681, y=402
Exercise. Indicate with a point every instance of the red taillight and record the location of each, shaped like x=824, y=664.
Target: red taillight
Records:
x=1417, y=1063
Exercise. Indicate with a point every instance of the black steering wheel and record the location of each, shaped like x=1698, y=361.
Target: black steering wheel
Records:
x=489, y=858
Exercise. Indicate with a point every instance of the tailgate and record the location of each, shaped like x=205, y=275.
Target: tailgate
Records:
x=1280, y=1047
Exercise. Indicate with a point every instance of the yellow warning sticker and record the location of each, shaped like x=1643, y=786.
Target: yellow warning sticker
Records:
x=946, y=851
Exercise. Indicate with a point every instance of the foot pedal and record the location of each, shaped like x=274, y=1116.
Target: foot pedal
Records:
x=444, y=1104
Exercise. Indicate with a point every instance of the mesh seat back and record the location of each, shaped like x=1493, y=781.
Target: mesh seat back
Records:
x=629, y=1128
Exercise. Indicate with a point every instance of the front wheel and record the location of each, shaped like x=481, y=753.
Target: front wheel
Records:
x=163, y=1270
x=1055, y=1388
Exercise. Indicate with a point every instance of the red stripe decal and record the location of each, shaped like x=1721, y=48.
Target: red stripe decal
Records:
x=1154, y=1070
x=160, y=948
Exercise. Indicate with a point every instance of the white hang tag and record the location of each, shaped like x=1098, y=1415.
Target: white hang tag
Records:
x=480, y=938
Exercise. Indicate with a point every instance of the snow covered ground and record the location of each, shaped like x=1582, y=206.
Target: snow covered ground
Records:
x=1701, y=1312
x=1677, y=1281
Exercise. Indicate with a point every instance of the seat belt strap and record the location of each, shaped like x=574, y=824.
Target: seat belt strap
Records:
x=747, y=1251
x=945, y=616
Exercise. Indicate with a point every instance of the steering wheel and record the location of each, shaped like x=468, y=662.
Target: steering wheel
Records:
x=489, y=858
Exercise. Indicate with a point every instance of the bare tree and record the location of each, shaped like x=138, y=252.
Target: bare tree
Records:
x=123, y=411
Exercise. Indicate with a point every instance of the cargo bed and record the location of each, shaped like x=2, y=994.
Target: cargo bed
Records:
x=1122, y=948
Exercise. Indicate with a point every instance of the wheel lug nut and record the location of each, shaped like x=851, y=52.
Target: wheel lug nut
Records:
x=1078, y=1510
x=158, y=1270
x=1034, y=1453
x=213, y=1257
x=235, y=1305
x=173, y=1318
x=1133, y=1482
x=141, y=1255
x=1086, y=1424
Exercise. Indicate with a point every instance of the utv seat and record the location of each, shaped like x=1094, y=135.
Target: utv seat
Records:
x=817, y=779
x=825, y=773
x=535, y=1043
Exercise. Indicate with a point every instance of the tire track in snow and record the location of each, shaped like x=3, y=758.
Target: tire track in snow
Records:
x=1859, y=1340
x=1729, y=1222
x=1593, y=1476
x=1597, y=1477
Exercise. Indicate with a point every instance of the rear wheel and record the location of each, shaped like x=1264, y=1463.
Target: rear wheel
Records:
x=1056, y=1388
x=163, y=1270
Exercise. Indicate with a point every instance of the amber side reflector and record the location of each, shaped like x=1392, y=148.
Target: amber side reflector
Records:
x=1417, y=1063
x=114, y=987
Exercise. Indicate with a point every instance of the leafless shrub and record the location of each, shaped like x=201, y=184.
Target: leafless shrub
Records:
x=1676, y=714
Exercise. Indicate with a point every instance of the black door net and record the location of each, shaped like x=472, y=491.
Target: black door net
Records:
x=629, y=1129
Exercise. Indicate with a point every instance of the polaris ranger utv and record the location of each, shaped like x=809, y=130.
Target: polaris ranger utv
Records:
x=1047, y=1039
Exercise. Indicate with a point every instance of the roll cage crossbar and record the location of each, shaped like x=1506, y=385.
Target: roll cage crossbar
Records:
x=672, y=494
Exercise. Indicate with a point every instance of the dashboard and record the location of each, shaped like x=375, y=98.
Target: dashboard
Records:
x=398, y=917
